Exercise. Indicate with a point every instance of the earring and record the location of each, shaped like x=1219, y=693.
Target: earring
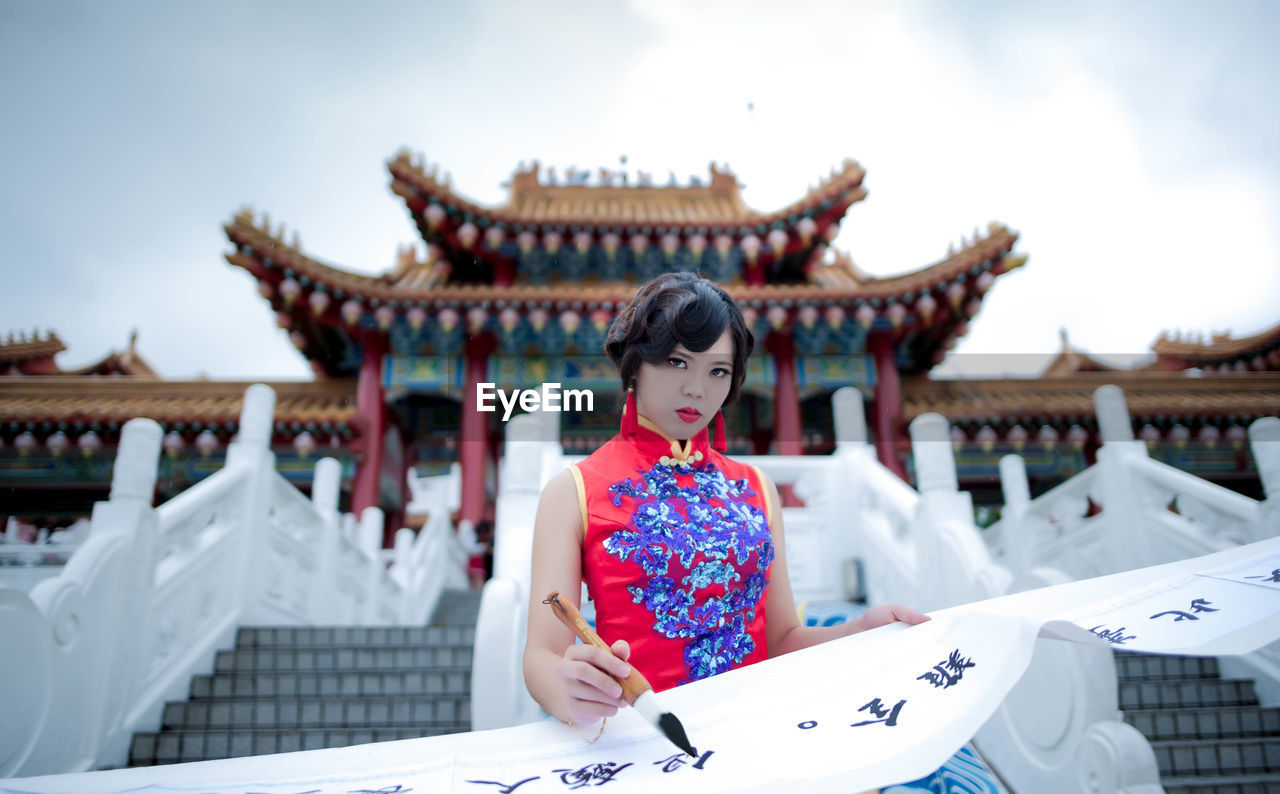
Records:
x=630, y=425
x=718, y=443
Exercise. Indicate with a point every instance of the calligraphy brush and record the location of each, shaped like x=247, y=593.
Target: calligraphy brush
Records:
x=635, y=689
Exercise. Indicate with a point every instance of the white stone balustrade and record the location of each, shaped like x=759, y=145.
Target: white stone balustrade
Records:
x=93, y=652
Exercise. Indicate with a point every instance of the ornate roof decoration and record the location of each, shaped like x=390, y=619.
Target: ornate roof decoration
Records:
x=23, y=354
x=1259, y=352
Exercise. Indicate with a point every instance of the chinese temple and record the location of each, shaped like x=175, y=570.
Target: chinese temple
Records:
x=523, y=294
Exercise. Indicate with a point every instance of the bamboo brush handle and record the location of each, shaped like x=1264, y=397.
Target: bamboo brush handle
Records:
x=634, y=685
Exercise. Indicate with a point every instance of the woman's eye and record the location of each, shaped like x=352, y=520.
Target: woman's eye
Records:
x=721, y=372
x=676, y=362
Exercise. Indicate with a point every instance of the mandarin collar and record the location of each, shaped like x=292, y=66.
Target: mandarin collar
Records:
x=654, y=443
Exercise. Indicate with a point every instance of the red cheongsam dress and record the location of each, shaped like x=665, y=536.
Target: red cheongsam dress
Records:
x=676, y=554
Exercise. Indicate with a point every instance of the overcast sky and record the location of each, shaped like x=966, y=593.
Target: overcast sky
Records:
x=1135, y=146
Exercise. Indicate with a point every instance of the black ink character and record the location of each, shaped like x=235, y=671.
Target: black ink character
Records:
x=505, y=789
x=674, y=762
x=1113, y=636
x=878, y=711
x=947, y=672
x=1197, y=605
x=1274, y=577
x=599, y=774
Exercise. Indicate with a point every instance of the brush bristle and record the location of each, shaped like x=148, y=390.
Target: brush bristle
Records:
x=671, y=726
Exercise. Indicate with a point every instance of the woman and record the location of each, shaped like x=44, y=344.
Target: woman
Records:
x=681, y=547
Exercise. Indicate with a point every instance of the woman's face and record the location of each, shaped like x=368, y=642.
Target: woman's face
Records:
x=682, y=394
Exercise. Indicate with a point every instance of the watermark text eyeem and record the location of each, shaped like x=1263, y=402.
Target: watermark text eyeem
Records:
x=551, y=397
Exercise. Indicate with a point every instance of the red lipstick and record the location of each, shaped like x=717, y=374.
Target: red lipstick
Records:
x=689, y=415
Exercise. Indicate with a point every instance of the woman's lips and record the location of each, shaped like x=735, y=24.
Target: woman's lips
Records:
x=689, y=415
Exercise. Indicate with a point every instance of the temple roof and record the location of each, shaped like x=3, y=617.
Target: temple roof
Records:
x=1071, y=360
x=613, y=201
x=35, y=356
x=1261, y=351
x=1148, y=395
x=89, y=400
x=566, y=253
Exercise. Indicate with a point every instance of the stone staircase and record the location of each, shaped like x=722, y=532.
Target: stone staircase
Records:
x=287, y=689
x=1209, y=734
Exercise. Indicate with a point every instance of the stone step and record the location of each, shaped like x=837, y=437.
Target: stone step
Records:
x=172, y=747
x=306, y=713
x=1184, y=758
x=1232, y=722
x=382, y=659
x=1225, y=784
x=457, y=607
x=1154, y=667
x=1186, y=693
x=439, y=681
x=355, y=636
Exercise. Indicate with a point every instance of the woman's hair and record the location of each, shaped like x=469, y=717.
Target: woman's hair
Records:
x=678, y=309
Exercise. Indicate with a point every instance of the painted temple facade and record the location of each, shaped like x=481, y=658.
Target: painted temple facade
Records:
x=523, y=294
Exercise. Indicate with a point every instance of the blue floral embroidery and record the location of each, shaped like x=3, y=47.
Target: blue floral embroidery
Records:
x=707, y=518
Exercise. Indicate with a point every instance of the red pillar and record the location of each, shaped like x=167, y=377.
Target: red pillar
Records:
x=474, y=442
x=371, y=406
x=888, y=403
x=786, y=408
x=786, y=397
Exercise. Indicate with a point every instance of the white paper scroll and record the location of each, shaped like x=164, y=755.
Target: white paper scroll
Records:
x=860, y=713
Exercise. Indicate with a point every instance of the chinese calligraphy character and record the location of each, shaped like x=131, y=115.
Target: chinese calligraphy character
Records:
x=880, y=713
x=1113, y=636
x=674, y=762
x=505, y=789
x=1197, y=605
x=948, y=671
x=599, y=774
x=1274, y=577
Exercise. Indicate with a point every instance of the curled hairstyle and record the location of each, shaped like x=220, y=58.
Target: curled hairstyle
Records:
x=678, y=309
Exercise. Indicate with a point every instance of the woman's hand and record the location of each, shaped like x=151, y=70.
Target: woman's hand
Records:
x=584, y=673
x=884, y=614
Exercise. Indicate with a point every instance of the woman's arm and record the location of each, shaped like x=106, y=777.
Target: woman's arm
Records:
x=569, y=681
x=784, y=630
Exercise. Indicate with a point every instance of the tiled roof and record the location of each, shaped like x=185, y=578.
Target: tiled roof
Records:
x=95, y=399
x=532, y=200
x=1220, y=349
x=1147, y=394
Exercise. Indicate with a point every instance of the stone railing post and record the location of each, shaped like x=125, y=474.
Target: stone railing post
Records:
x=940, y=501
x=252, y=451
x=371, y=520
x=1124, y=538
x=1018, y=535
x=326, y=484
x=1264, y=441
x=850, y=417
